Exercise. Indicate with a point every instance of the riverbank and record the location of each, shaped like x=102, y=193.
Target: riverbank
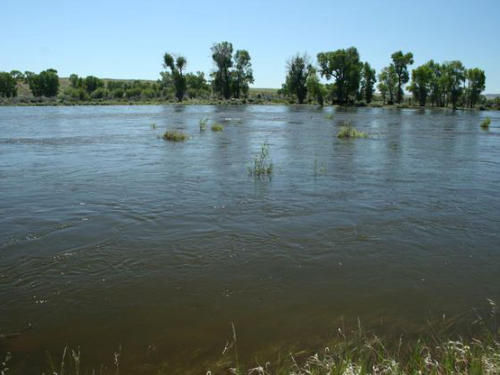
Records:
x=256, y=100
x=351, y=352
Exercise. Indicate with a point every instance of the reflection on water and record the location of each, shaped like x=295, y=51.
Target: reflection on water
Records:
x=109, y=235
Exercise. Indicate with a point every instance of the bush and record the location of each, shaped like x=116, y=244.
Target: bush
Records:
x=99, y=93
x=349, y=132
x=117, y=93
x=486, y=123
x=217, y=127
x=175, y=136
x=8, y=85
x=133, y=93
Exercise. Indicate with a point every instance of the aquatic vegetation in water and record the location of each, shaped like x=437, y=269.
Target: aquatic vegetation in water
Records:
x=217, y=127
x=329, y=116
x=262, y=166
x=175, y=136
x=203, y=124
x=319, y=169
x=348, y=131
x=485, y=124
x=153, y=126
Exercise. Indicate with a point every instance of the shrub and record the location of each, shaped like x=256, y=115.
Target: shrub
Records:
x=486, y=123
x=99, y=93
x=349, y=132
x=262, y=166
x=217, y=127
x=175, y=136
x=203, y=124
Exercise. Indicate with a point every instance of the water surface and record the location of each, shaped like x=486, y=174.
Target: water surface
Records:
x=111, y=236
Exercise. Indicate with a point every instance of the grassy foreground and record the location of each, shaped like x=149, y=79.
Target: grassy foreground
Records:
x=352, y=352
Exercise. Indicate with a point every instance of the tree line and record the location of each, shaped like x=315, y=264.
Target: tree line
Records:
x=349, y=80
x=338, y=77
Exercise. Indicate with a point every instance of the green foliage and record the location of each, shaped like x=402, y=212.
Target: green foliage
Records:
x=17, y=75
x=197, y=85
x=117, y=93
x=133, y=93
x=349, y=132
x=400, y=63
x=453, y=78
x=368, y=79
x=421, y=83
x=476, y=80
x=217, y=127
x=44, y=84
x=388, y=83
x=315, y=89
x=262, y=166
x=344, y=66
x=176, y=66
x=175, y=136
x=8, y=85
x=485, y=124
x=99, y=93
x=203, y=124
x=298, y=68
x=242, y=75
x=222, y=55
x=92, y=83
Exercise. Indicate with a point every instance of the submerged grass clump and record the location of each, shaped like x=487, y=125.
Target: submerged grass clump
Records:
x=153, y=126
x=203, y=124
x=262, y=166
x=329, y=116
x=348, y=131
x=217, y=127
x=175, y=136
x=485, y=124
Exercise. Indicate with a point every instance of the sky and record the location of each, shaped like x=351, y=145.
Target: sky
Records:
x=127, y=38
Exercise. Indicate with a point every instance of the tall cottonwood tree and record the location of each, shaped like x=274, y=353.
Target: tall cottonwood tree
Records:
x=243, y=74
x=176, y=66
x=222, y=54
x=368, y=79
x=344, y=66
x=388, y=82
x=298, y=68
x=400, y=61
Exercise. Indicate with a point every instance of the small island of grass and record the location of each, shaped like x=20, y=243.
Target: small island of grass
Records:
x=175, y=136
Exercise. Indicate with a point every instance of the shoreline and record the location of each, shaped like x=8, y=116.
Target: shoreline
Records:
x=257, y=102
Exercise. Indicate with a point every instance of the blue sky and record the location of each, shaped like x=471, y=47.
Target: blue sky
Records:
x=127, y=38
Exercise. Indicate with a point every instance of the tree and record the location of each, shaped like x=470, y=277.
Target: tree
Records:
x=298, y=68
x=243, y=74
x=421, y=83
x=176, y=66
x=388, y=82
x=8, y=85
x=17, y=75
x=344, y=66
x=315, y=89
x=222, y=54
x=476, y=80
x=92, y=83
x=197, y=84
x=400, y=62
x=368, y=80
x=44, y=84
x=454, y=76
x=73, y=80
